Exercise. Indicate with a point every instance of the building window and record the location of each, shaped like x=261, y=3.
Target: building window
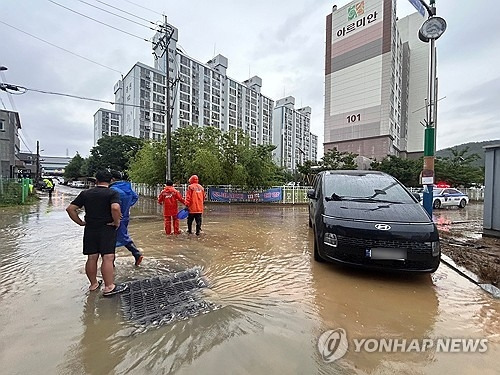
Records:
x=2, y=125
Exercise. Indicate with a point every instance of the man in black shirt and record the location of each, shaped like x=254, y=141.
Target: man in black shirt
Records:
x=102, y=218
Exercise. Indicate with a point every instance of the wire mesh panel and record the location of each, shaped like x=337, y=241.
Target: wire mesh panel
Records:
x=165, y=299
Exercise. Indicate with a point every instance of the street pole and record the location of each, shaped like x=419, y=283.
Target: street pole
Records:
x=430, y=136
x=430, y=31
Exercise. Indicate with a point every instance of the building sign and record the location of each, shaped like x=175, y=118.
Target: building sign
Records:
x=372, y=17
x=270, y=195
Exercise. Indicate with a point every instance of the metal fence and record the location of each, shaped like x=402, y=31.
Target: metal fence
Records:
x=288, y=194
x=14, y=190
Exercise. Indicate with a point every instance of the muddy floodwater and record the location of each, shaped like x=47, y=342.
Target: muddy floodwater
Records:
x=274, y=301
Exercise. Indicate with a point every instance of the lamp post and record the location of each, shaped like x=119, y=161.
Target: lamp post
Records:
x=429, y=32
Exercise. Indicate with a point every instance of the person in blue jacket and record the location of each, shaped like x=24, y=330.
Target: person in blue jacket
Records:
x=128, y=198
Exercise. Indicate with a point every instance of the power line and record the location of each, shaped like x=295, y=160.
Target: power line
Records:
x=102, y=23
x=130, y=14
x=117, y=15
x=61, y=48
x=24, y=90
x=140, y=6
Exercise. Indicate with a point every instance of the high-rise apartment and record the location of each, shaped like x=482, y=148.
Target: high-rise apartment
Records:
x=291, y=134
x=367, y=83
x=201, y=94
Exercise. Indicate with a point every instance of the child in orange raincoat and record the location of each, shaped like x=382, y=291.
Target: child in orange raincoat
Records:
x=168, y=198
x=195, y=196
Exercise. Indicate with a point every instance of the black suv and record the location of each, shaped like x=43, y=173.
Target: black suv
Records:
x=368, y=218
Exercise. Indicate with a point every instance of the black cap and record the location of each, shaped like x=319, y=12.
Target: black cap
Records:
x=170, y=183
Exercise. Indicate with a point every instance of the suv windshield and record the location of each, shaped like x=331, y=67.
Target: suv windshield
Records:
x=365, y=187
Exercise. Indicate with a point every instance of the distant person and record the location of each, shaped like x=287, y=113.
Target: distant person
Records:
x=128, y=198
x=49, y=185
x=102, y=218
x=195, y=196
x=169, y=197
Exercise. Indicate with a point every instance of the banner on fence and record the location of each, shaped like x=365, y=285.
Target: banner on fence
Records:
x=270, y=195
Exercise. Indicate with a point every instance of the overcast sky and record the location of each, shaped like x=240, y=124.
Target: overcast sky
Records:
x=282, y=41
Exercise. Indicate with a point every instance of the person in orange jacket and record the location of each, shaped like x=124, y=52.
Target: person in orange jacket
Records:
x=195, y=196
x=168, y=198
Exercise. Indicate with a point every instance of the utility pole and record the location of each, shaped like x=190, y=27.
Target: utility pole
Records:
x=429, y=32
x=169, y=119
x=37, y=171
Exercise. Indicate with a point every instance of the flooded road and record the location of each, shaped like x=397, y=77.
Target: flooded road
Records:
x=275, y=301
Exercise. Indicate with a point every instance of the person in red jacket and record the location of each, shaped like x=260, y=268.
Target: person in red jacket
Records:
x=168, y=198
x=195, y=196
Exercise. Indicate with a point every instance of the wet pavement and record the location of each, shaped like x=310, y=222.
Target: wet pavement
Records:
x=274, y=300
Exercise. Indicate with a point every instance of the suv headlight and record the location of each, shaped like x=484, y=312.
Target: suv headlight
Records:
x=436, y=248
x=330, y=239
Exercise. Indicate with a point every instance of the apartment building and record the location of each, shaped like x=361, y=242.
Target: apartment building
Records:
x=106, y=123
x=291, y=134
x=200, y=94
x=368, y=80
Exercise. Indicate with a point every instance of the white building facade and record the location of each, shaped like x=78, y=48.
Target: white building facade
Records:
x=368, y=81
x=291, y=134
x=201, y=94
x=106, y=123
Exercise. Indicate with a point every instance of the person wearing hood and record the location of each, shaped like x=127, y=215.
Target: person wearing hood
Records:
x=128, y=198
x=195, y=196
x=168, y=198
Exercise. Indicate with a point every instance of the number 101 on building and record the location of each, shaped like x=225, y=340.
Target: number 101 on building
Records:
x=353, y=118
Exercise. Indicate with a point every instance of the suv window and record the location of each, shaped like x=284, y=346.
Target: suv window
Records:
x=366, y=186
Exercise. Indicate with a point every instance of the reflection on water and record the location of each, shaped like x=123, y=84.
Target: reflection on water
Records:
x=466, y=222
x=275, y=301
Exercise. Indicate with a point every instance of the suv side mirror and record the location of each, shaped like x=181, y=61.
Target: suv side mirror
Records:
x=311, y=194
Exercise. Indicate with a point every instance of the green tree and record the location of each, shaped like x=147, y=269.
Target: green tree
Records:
x=149, y=164
x=407, y=171
x=459, y=169
x=333, y=160
x=73, y=169
x=114, y=152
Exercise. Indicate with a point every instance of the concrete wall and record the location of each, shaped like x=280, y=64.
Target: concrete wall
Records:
x=491, y=218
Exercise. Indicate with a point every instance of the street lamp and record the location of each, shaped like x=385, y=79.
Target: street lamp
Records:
x=429, y=32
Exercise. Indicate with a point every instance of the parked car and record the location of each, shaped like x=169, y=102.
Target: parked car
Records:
x=78, y=184
x=449, y=198
x=368, y=218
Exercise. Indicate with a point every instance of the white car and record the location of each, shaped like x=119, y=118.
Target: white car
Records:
x=449, y=197
x=78, y=184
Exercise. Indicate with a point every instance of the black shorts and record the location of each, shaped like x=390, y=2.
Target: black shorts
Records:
x=99, y=240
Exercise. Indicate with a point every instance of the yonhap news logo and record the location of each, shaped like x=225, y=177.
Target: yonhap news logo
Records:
x=333, y=344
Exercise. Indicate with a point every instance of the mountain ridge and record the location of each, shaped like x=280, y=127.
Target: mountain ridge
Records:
x=474, y=148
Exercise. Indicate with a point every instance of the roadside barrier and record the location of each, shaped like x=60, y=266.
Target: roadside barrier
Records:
x=236, y=194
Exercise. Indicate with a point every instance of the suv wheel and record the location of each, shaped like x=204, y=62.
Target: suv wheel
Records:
x=317, y=257
x=462, y=203
x=436, y=204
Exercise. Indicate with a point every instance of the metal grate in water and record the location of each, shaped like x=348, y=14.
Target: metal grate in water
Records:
x=165, y=299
